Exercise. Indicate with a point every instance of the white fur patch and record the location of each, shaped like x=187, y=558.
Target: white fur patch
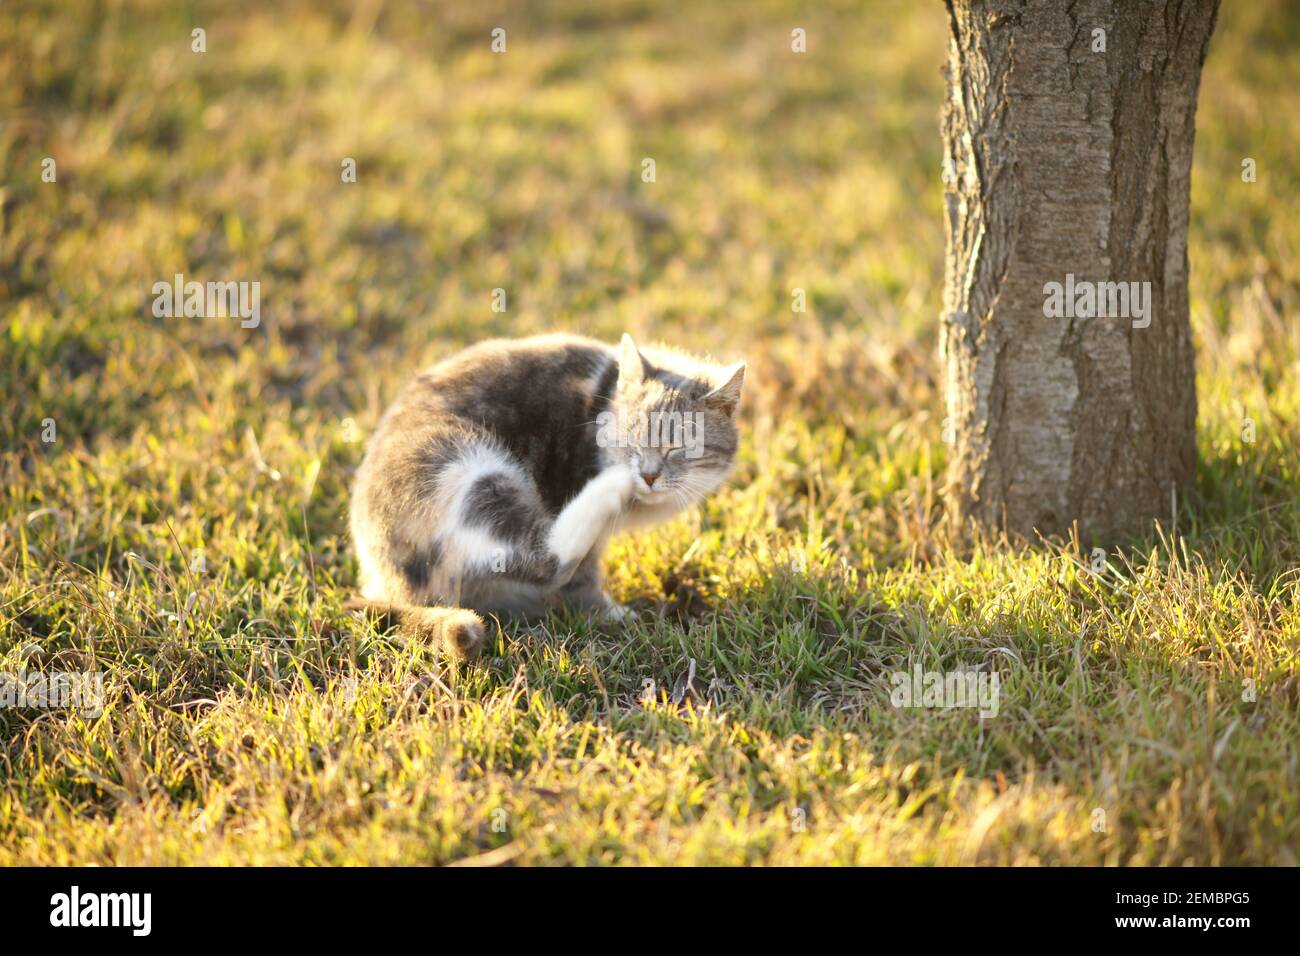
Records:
x=441, y=524
x=467, y=547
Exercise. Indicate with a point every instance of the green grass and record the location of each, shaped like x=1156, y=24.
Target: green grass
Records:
x=263, y=725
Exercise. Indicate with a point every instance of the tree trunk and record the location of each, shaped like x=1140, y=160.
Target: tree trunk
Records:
x=1065, y=163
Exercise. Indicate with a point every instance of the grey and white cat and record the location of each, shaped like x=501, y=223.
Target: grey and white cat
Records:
x=495, y=480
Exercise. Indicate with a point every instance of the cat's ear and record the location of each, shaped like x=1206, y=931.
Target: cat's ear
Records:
x=726, y=397
x=632, y=366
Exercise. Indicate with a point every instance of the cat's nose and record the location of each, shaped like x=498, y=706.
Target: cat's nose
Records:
x=649, y=478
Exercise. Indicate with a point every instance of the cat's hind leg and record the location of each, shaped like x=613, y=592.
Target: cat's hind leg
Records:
x=506, y=598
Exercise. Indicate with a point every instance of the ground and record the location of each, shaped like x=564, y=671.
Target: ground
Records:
x=184, y=533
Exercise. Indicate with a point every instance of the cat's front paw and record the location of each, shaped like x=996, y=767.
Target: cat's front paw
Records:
x=618, y=614
x=621, y=484
x=588, y=519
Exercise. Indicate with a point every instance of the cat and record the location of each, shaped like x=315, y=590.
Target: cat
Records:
x=494, y=481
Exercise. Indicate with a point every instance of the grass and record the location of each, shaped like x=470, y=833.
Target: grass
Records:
x=248, y=720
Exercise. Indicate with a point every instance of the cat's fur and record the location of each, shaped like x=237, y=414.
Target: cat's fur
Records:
x=494, y=481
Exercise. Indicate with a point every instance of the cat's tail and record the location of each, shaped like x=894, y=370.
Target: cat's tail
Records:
x=459, y=632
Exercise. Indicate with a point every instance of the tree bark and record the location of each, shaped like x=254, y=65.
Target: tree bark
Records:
x=1063, y=160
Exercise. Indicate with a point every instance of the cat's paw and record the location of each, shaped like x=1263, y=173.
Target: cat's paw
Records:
x=616, y=613
x=587, y=519
x=619, y=483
